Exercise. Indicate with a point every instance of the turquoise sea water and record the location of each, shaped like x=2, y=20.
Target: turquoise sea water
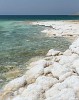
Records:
x=20, y=41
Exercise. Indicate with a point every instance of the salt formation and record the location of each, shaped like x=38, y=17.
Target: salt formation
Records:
x=59, y=28
x=56, y=77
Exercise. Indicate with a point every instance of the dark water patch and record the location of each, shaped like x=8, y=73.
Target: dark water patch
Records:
x=39, y=17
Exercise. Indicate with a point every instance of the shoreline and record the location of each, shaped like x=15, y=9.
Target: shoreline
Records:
x=54, y=77
x=60, y=28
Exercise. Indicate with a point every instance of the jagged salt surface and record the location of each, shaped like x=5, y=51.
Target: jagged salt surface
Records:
x=56, y=77
x=59, y=28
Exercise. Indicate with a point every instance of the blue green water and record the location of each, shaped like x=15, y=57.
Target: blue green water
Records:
x=20, y=41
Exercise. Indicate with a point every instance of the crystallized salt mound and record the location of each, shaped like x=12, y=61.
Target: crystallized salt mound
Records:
x=75, y=46
x=15, y=84
x=58, y=91
x=65, y=94
x=34, y=73
x=53, y=52
x=42, y=62
x=67, y=53
x=68, y=59
x=60, y=71
x=46, y=82
x=33, y=92
x=75, y=65
x=59, y=28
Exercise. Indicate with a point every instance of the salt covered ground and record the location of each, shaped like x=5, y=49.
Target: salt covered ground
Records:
x=60, y=28
x=55, y=77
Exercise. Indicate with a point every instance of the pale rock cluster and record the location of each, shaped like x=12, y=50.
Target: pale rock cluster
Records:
x=56, y=77
x=59, y=28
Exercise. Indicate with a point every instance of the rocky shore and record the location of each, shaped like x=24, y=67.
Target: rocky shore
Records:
x=55, y=77
x=59, y=28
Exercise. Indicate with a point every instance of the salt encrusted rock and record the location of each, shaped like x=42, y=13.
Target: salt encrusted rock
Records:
x=21, y=90
x=75, y=65
x=57, y=58
x=42, y=62
x=48, y=58
x=60, y=28
x=15, y=84
x=71, y=82
x=65, y=94
x=34, y=73
x=64, y=76
x=33, y=92
x=47, y=70
x=52, y=52
x=46, y=82
x=59, y=71
x=75, y=46
x=67, y=53
x=20, y=98
x=54, y=90
x=68, y=59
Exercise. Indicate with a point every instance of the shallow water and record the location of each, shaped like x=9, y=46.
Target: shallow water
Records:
x=21, y=41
